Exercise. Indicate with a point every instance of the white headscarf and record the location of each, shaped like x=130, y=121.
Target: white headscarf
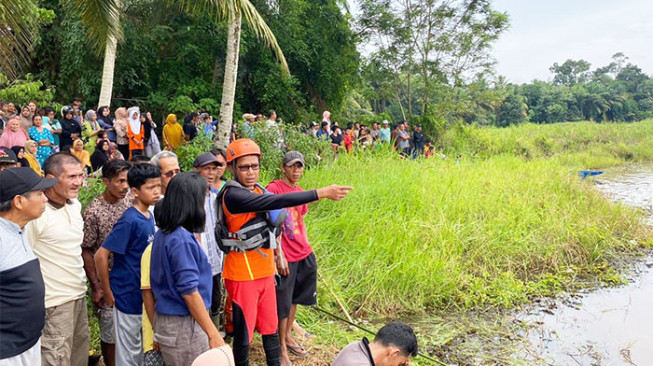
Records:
x=134, y=123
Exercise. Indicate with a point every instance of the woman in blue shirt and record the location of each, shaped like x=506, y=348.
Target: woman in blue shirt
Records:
x=181, y=278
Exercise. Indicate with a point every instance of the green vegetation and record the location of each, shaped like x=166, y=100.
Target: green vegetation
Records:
x=491, y=231
x=577, y=145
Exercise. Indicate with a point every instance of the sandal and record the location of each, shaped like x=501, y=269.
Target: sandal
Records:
x=297, y=350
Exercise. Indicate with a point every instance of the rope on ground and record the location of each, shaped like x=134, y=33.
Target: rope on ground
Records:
x=435, y=361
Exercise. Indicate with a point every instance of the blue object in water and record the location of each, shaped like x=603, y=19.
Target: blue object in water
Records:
x=589, y=173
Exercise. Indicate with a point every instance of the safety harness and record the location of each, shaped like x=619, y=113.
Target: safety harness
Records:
x=259, y=232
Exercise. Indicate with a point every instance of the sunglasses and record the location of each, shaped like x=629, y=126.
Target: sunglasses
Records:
x=246, y=168
x=171, y=173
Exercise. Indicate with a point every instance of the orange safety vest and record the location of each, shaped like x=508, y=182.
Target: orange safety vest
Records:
x=246, y=265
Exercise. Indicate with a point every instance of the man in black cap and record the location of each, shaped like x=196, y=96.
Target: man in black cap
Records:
x=22, y=293
x=7, y=158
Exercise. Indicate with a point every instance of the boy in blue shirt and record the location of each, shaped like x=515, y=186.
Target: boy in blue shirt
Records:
x=129, y=237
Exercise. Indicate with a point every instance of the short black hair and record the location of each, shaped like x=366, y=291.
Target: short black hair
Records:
x=48, y=110
x=54, y=163
x=271, y=113
x=399, y=335
x=112, y=168
x=218, y=151
x=102, y=134
x=139, y=174
x=183, y=204
x=140, y=159
x=324, y=124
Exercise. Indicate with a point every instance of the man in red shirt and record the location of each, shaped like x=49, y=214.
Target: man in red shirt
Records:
x=300, y=285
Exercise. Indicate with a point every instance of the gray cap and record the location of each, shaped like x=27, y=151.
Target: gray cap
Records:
x=293, y=157
x=204, y=159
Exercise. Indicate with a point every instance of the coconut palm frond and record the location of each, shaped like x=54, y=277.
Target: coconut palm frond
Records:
x=101, y=19
x=226, y=9
x=18, y=27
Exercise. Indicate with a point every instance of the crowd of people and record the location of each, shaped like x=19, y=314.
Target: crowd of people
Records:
x=172, y=261
x=409, y=143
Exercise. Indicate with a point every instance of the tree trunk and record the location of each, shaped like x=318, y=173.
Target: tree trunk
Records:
x=107, y=72
x=229, y=86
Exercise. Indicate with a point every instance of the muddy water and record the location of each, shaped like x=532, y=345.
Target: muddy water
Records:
x=612, y=326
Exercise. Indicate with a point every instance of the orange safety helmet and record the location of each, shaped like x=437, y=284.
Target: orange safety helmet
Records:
x=242, y=147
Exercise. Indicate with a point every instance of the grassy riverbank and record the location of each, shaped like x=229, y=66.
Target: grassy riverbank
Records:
x=512, y=221
x=416, y=235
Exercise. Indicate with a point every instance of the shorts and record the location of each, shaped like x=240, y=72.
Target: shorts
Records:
x=254, y=307
x=299, y=287
x=105, y=317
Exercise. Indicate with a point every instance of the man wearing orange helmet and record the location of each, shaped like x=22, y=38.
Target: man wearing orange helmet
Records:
x=250, y=218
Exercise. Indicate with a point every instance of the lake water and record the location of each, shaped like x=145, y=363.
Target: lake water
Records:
x=608, y=326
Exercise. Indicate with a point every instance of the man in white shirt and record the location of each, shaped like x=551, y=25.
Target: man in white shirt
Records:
x=56, y=239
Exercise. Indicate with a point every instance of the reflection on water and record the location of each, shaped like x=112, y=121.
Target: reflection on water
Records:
x=609, y=326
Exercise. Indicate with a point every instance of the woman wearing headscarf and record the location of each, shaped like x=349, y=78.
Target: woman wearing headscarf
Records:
x=25, y=118
x=90, y=129
x=106, y=122
x=173, y=134
x=135, y=132
x=70, y=129
x=152, y=145
x=120, y=125
x=20, y=155
x=13, y=135
x=43, y=137
x=81, y=154
x=114, y=153
x=100, y=155
x=30, y=156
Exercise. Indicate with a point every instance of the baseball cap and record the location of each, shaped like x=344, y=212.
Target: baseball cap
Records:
x=293, y=157
x=204, y=159
x=7, y=156
x=17, y=181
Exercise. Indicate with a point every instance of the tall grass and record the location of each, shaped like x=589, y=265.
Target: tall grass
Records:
x=414, y=235
x=573, y=144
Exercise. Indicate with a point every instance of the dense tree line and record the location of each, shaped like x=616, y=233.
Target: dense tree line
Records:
x=172, y=61
x=426, y=61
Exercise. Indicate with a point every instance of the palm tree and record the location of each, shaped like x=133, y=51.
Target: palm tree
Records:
x=102, y=20
x=234, y=11
x=18, y=26
x=107, y=33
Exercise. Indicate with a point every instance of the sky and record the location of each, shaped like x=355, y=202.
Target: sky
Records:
x=543, y=32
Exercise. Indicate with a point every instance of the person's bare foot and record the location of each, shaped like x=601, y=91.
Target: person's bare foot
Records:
x=285, y=360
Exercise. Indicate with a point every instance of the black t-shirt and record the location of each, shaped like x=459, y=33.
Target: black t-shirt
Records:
x=190, y=130
x=336, y=139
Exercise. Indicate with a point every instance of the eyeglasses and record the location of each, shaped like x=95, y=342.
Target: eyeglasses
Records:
x=171, y=173
x=246, y=168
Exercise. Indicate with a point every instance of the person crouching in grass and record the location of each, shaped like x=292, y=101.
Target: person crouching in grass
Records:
x=128, y=239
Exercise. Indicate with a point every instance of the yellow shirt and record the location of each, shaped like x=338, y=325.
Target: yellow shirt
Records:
x=56, y=238
x=34, y=164
x=173, y=134
x=148, y=332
